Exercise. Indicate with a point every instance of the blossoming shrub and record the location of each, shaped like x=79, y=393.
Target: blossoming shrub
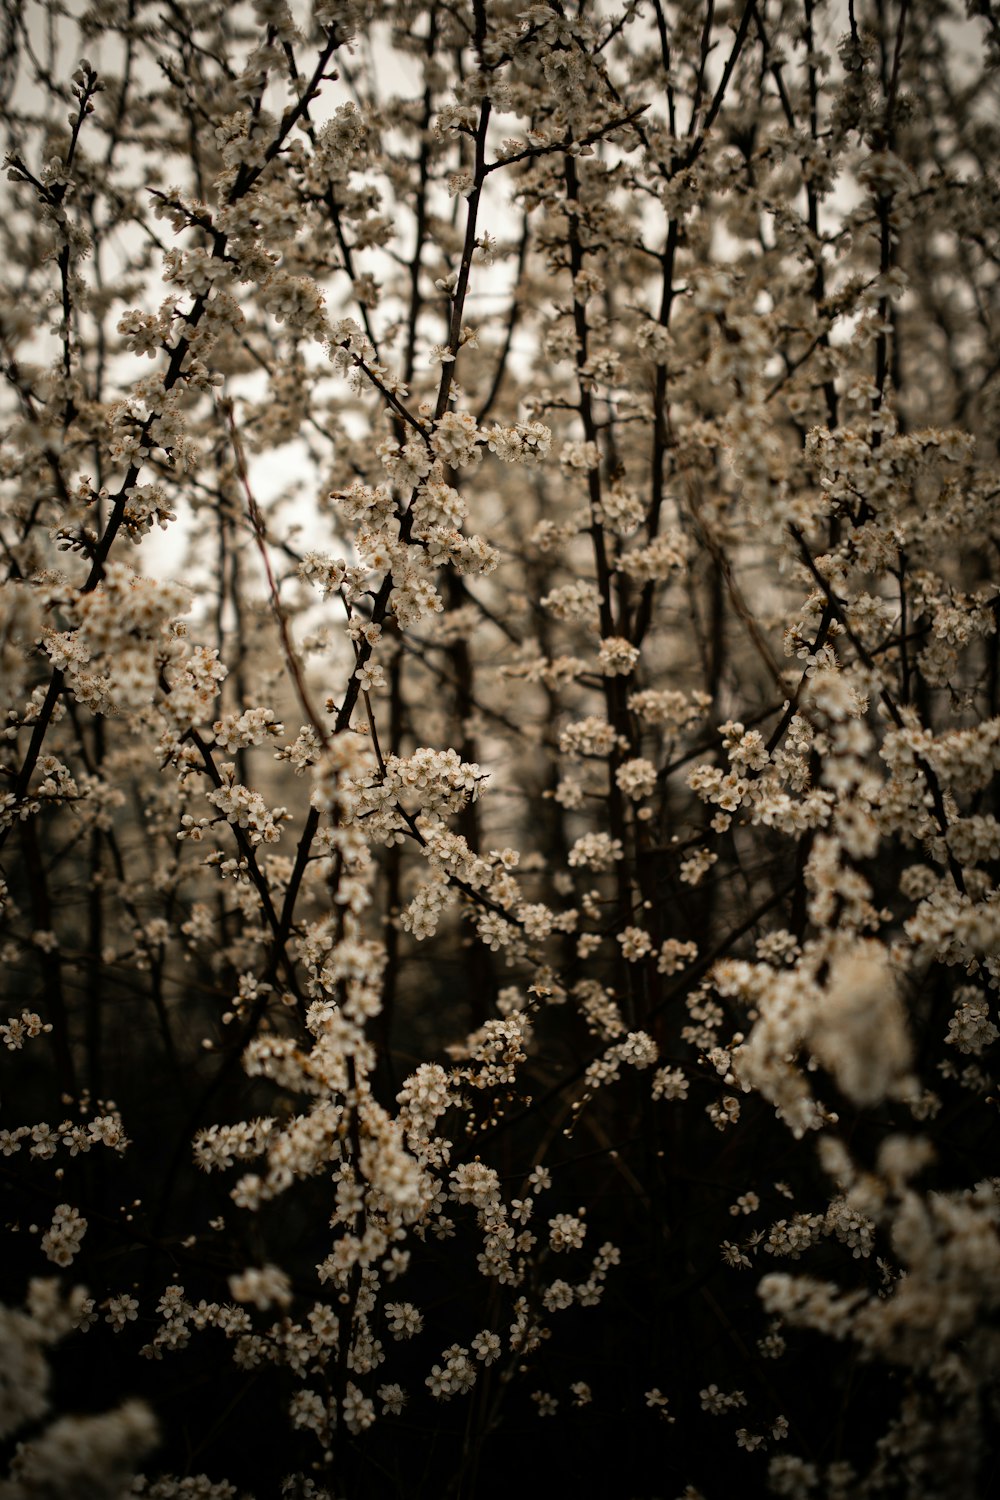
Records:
x=500, y=925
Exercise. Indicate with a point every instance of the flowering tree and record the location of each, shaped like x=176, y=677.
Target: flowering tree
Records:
x=499, y=903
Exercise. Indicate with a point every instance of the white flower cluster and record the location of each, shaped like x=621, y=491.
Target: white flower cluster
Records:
x=970, y=1029
x=62, y=1240
x=853, y=1024
x=589, y=736
x=665, y=555
x=524, y=443
x=93, y=1454
x=456, y=439
x=573, y=601
x=622, y=510
x=251, y=727
x=243, y=807
x=77, y=1139
x=617, y=657
x=595, y=851
x=435, y=784
x=16, y=1030
x=124, y=632
x=668, y=707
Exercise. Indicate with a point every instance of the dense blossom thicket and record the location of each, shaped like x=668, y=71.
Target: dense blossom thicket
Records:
x=500, y=930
